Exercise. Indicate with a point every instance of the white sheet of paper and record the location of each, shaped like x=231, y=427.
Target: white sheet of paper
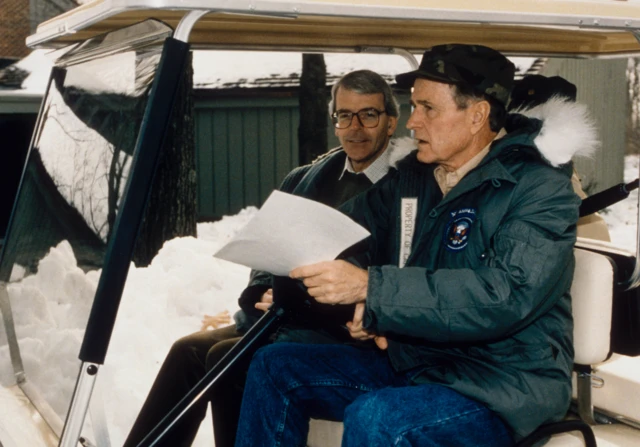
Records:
x=289, y=232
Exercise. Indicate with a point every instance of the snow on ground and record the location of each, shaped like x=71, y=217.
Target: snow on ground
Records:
x=160, y=304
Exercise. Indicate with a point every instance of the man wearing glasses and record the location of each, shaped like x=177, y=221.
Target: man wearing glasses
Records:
x=364, y=114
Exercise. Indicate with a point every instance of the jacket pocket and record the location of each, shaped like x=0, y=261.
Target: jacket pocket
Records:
x=520, y=252
x=510, y=352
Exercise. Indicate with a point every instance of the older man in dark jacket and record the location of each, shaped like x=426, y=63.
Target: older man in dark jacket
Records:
x=466, y=293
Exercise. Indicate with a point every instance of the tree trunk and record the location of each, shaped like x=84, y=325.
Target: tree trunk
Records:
x=172, y=208
x=312, y=132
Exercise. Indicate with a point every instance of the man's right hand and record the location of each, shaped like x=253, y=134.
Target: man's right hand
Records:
x=265, y=301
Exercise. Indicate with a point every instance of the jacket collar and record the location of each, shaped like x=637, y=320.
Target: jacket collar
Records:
x=330, y=165
x=489, y=171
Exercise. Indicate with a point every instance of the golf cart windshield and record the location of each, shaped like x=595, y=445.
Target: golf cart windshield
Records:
x=86, y=181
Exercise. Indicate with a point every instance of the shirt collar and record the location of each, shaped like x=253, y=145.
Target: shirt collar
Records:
x=375, y=171
x=448, y=180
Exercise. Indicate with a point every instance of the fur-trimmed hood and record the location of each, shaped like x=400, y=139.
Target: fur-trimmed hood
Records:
x=568, y=130
x=399, y=148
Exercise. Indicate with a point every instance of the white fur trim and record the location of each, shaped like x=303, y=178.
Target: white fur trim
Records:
x=567, y=131
x=400, y=148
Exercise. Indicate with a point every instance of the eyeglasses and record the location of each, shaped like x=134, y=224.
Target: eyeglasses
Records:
x=366, y=117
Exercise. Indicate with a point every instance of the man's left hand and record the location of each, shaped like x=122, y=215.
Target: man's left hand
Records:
x=357, y=331
x=355, y=326
x=334, y=282
x=215, y=321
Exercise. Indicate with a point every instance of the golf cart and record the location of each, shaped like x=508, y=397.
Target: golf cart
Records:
x=108, y=104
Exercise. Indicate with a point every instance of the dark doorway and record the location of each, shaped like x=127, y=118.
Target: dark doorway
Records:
x=15, y=136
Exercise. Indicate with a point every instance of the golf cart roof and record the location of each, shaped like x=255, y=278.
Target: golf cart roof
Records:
x=581, y=28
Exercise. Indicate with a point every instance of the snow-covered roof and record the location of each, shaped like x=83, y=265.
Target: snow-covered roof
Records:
x=240, y=69
x=231, y=69
x=32, y=73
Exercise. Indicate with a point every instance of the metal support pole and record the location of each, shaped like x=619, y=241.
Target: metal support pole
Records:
x=186, y=24
x=121, y=244
x=288, y=297
x=408, y=56
x=12, y=339
x=261, y=330
x=79, y=404
x=585, y=406
x=634, y=281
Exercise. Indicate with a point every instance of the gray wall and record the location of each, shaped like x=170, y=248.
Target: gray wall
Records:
x=246, y=146
x=602, y=86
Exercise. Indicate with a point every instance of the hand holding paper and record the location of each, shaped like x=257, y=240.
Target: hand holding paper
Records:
x=334, y=282
x=289, y=232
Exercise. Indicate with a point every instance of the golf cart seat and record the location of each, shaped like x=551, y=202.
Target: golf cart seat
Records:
x=592, y=302
x=592, y=298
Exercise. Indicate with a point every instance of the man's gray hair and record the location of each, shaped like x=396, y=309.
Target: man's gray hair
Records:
x=366, y=82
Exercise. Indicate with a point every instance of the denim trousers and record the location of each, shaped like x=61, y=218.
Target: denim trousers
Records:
x=289, y=383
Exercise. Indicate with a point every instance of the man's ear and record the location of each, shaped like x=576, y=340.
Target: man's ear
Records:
x=391, y=125
x=479, y=115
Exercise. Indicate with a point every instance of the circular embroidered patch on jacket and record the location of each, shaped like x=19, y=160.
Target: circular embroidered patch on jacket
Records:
x=456, y=233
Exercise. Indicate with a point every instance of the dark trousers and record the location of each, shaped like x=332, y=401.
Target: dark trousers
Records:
x=187, y=362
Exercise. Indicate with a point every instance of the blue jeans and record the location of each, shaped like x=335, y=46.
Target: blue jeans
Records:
x=289, y=383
